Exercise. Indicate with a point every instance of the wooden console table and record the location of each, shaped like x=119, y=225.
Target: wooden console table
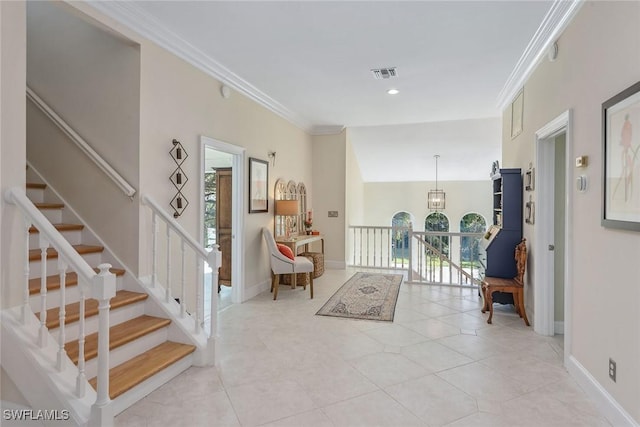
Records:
x=296, y=242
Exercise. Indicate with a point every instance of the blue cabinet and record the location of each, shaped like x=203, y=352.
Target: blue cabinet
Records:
x=507, y=216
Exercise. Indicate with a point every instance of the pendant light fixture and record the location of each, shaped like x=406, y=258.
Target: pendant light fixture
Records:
x=436, y=198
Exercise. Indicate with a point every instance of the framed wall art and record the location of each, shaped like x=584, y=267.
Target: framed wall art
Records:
x=621, y=160
x=258, y=185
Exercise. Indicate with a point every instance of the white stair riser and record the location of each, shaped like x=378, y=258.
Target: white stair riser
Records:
x=73, y=236
x=93, y=260
x=72, y=295
x=119, y=355
x=36, y=195
x=119, y=315
x=53, y=215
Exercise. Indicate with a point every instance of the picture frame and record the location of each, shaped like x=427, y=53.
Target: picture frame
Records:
x=621, y=160
x=530, y=212
x=258, y=185
x=530, y=178
x=517, y=111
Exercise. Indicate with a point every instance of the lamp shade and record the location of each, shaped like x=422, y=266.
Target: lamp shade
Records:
x=287, y=207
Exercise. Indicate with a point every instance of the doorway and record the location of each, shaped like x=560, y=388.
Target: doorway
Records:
x=221, y=156
x=552, y=269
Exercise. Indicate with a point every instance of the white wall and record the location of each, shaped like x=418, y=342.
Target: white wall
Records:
x=599, y=56
x=354, y=187
x=383, y=200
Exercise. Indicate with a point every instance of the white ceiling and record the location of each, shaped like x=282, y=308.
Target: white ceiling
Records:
x=310, y=61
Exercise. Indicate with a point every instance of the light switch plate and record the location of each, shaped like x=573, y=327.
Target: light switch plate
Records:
x=333, y=214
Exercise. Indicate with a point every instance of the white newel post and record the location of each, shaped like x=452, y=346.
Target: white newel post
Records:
x=214, y=260
x=103, y=289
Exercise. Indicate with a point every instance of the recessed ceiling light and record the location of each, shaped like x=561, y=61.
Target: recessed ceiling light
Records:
x=393, y=91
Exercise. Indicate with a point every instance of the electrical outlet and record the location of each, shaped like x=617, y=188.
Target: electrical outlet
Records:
x=612, y=369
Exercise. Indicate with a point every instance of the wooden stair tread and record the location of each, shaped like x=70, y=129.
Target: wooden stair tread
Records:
x=124, y=377
x=36, y=185
x=53, y=282
x=34, y=254
x=72, y=311
x=119, y=335
x=49, y=205
x=60, y=227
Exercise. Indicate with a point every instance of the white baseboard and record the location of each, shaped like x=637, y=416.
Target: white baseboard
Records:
x=607, y=405
x=252, y=291
x=558, y=327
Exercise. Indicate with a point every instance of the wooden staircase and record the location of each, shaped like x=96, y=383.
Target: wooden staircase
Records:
x=139, y=345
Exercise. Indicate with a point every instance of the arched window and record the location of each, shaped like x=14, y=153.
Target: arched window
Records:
x=400, y=223
x=470, y=246
x=438, y=222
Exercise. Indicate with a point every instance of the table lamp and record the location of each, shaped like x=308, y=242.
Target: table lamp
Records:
x=288, y=209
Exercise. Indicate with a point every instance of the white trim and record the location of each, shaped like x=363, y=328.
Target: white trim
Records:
x=128, y=13
x=237, y=207
x=105, y=167
x=558, y=327
x=544, y=295
x=606, y=404
x=327, y=130
x=553, y=24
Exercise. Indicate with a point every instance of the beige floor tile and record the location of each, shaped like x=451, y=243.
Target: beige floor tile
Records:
x=315, y=418
x=385, y=369
x=482, y=382
x=435, y=357
x=395, y=335
x=373, y=409
x=434, y=400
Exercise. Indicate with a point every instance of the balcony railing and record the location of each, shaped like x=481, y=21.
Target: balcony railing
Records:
x=428, y=257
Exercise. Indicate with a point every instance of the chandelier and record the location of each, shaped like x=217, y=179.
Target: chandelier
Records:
x=436, y=198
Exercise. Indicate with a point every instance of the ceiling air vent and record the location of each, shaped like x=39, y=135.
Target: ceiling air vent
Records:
x=384, y=73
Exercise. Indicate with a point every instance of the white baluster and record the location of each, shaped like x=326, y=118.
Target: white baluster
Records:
x=183, y=295
x=43, y=332
x=154, y=249
x=62, y=271
x=199, y=298
x=81, y=380
x=25, y=305
x=215, y=261
x=168, y=290
x=103, y=289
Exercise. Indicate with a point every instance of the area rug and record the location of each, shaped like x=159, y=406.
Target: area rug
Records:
x=368, y=296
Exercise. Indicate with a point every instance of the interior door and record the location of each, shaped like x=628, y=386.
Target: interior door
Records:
x=224, y=223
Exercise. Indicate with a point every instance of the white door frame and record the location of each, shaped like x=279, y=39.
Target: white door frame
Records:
x=544, y=228
x=237, y=207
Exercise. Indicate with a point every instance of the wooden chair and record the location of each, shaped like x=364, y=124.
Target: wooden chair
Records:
x=513, y=286
x=281, y=264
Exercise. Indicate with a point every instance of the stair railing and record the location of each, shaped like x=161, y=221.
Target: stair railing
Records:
x=105, y=167
x=212, y=257
x=101, y=286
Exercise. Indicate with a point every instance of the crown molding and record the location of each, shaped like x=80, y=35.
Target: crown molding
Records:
x=327, y=130
x=553, y=24
x=130, y=15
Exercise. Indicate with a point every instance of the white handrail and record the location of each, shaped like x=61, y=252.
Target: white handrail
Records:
x=175, y=226
x=17, y=196
x=213, y=258
x=126, y=188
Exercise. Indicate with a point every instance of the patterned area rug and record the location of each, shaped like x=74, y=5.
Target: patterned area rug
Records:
x=365, y=296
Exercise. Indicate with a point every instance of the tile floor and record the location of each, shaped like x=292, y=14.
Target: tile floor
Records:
x=438, y=364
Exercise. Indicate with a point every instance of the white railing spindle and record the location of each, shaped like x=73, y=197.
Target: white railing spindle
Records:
x=43, y=332
x=183, y=286
x=199, y=297
x=62, y=354
x=154, y=249
x=25, y=305
x=81, y=380
x=168, y=289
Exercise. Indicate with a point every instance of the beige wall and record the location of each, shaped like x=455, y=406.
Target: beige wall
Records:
x=90, y=78
x=599, y=56
x=12, y=147
x=384, y=200
x=354, y=187
x=329, y=178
